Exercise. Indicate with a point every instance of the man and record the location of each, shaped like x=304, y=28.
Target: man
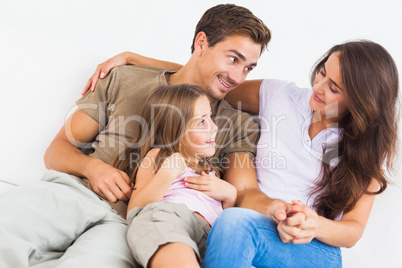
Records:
x=227, y=44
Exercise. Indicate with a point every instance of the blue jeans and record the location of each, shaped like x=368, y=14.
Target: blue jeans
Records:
x=244, y=238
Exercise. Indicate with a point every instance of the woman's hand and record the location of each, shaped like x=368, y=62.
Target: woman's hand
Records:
x=300, y=226
x=123, y=59
x=104, y=68
x=213, y=187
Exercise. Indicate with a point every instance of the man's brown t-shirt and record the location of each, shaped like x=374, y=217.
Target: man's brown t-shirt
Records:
x=117, y=103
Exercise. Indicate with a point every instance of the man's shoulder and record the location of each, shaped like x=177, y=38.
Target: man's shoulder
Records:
x=133, y=77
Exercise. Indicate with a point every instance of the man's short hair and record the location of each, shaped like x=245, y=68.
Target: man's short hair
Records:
x=226, y=20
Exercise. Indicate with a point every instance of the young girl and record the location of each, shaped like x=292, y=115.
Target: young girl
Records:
x=169, y=222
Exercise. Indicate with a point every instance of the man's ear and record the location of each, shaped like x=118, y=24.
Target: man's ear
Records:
x=200, y=43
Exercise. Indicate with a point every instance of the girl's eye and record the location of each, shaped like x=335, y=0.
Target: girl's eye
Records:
x=202, y=122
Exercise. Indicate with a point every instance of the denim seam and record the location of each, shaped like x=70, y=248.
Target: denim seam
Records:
x=326, y=252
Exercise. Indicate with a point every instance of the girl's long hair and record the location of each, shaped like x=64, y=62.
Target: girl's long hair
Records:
x=165, y=117
x=371, y=85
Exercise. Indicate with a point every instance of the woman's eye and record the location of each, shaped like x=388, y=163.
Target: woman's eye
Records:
x=202, y=122
x=332, y=89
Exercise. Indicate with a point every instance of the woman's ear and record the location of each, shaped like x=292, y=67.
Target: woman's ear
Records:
x=200, y=43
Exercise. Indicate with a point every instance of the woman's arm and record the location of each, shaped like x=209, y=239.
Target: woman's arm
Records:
x=151, y=187
x=137, y=59
x=344, y=233
x=123, y=59
x=246, y=97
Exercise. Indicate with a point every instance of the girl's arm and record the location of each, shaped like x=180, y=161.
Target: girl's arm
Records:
x=123, y=59
x=344, y=233
x=151, y=187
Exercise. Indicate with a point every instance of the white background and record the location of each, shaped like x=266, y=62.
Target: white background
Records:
x=49, y=49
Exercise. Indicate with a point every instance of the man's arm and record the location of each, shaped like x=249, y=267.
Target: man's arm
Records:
x=241, y=173
x=64, y=155
x=246, y=96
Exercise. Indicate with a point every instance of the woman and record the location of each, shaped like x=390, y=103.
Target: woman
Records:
x=321, y=155
x=337, y=139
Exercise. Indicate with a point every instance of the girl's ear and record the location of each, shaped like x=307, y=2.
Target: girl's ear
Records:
x=200, y=43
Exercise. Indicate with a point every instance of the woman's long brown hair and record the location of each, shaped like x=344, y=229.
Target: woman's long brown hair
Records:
x=370, y=78
x=165, y=118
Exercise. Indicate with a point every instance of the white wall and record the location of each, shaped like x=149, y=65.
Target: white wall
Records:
x=49, y=48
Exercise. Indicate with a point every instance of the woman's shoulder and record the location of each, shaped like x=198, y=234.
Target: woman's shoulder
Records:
x=278, y=89
x=275, y=83
x=273, y=87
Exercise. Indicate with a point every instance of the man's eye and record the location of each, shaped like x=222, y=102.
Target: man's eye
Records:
x=248, y=69
x=232, y=59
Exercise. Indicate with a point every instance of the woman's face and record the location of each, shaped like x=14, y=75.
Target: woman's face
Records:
x=328, y=96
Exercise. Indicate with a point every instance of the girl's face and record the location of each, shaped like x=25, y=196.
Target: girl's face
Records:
x=199, y=139
x=328, y=96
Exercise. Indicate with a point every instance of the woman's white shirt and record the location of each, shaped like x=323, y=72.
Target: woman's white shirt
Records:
x=288, y=162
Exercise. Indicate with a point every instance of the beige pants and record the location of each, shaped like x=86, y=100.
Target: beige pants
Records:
x=161, y=223
x=57, y=222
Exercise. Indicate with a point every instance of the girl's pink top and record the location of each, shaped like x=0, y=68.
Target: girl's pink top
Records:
x=195, y=200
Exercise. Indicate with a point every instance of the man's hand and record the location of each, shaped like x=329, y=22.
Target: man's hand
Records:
x=288, y=220
x=278, y=210
x=104, y=68
x=110, y=183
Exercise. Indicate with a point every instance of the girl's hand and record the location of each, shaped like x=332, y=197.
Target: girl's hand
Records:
x=213, y=187
x=305, y=219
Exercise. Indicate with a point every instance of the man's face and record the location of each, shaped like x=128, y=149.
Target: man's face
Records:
x=227, y=64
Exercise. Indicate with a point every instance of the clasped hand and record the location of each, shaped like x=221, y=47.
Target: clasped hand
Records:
x=300, y=225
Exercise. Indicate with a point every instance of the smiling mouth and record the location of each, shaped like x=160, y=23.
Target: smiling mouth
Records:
x=211, y=141
x=317, y=98
x=225, y=84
